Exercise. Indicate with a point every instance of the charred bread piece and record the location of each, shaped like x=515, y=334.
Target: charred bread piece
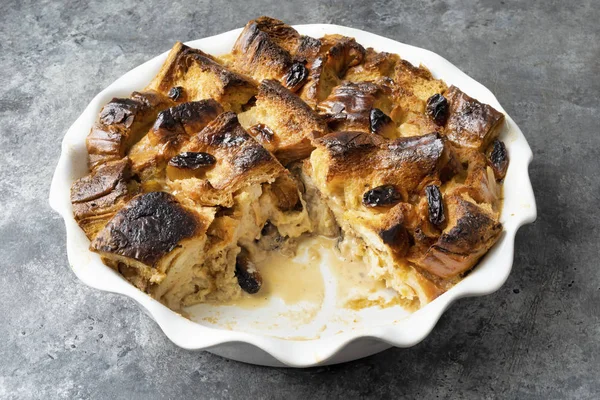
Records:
x=375, y=65
x=471, y=231
x=282, y=122
x=337, y=53
x=353, y=161
x=155, y=241
x=122, y=122
x=471, y=123
x=203, y=77
x=413, y=87
x=240, y=161
x=171, y=130
x=266, y=49
x=99, y=195
x=361, y=106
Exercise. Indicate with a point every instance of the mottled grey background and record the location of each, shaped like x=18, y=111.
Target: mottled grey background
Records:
x=538, y=337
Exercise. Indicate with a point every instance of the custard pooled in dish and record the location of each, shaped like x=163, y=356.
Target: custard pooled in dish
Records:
x=222, y=160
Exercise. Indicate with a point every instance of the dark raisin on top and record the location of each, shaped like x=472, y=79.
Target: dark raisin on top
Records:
x=381, y=196
x=378, y=119
x=437, y=109
x=498, y=159
x=192, y=160
x=247, y=276
x=296, y=75
x=175, y=93
x=263, y=133
x=435, y=204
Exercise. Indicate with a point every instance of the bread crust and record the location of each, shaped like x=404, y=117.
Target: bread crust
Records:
x=203, y=77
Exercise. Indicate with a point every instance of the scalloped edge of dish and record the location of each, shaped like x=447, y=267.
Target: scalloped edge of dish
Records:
x=486, y=278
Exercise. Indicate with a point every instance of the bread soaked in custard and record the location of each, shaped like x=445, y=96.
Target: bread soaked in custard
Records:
x=203, y=184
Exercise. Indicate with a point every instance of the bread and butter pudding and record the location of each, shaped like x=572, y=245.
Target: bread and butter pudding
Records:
x=223, y=160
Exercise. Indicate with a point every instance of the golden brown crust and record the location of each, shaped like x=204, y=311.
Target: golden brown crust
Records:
x=123, y=122
x=336, y=55
x=409, y=163
x=292, y=122
x=203, y=77
x=240, y=161
x=471, y=123
x=470, y=234
x=97, y=196
x=350, y=106
x=171, y=130
x=375, y=65
x=414, y=85
x=265, y=49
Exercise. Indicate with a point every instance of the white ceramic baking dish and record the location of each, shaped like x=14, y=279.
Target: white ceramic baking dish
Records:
x=278, y=341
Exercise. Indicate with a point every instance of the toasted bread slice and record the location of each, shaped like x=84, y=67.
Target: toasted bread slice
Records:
x=240, y=161
x=471, y=231
x=99, y=195
x=352, y=162
x=283, y=123
x=375, y=65
x=267, y=48
x=337, y=53
x=202, y=77
x=171, y=130
x=155, y=241
x=471, y=123
x=346, y=166
x=361, y=106
x=122, y=122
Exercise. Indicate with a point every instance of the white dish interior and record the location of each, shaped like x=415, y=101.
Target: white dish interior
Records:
x=276, y=335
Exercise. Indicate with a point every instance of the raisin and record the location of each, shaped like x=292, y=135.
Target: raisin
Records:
x=435, y=205
x=270, y=239
x=385, y=195
x=262, y=133
x=245, y=271
x=296, y=76
x=498, y=159
x=175, y=93
x=378, y=119
x=192, y=160
x=437, y=109
x=268, y=229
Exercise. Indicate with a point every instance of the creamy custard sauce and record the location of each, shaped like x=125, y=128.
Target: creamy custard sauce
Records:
x=293, y=280
x=300, y=279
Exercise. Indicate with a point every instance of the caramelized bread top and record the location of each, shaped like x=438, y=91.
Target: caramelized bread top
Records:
x=361, y=160
x=202, y=77
x=149, y=227
x=121, y=123
x=283, y=123
x=470, y=122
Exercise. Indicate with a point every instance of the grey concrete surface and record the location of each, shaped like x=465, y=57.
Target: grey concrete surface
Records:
x=536, y=338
